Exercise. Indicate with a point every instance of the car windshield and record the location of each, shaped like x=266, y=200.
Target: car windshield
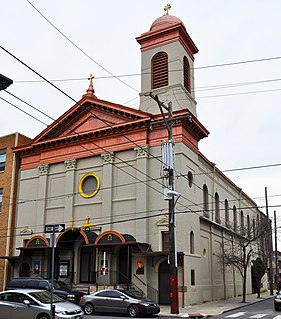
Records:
x=45, y=297
x=61, y=285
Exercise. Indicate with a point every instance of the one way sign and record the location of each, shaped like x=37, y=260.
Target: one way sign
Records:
x=57, y=228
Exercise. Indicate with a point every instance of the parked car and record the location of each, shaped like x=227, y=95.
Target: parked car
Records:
x=277, y=300
x=60, y=289
x=72, y=295
x=118, y=301
x=35, y=304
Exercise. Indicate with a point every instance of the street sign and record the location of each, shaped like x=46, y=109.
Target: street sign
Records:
x=57, y=228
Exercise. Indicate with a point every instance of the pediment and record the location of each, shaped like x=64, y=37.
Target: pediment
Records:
x=90, y=115
x=163, y=221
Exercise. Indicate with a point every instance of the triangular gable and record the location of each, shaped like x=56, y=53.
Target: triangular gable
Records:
x=90, y=114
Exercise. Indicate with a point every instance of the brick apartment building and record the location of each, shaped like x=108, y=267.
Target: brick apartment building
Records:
x=9, y=165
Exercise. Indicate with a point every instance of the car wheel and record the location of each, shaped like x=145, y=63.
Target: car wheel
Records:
x=276, y=307
x=89, y=308
x=43, y=316
x=133, y=311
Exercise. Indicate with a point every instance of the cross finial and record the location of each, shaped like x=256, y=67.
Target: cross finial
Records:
x=91, y=77
x=167, y=8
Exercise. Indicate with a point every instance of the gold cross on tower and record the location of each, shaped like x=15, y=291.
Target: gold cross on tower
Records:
x=167, y=8
x=91, y=79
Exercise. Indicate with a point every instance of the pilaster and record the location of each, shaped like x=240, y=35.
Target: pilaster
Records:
x=107, y=194
x=70, y=167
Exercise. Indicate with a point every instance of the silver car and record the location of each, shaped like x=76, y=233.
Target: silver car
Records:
x=35, y=304
x=118, y=301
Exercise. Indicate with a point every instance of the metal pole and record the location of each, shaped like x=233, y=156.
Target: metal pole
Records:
x=269, y=248
x=276, y=251
x=52, y=274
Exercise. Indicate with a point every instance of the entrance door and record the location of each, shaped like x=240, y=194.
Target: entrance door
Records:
x=164, y=283
x=25, y=270
x=125, y=265
x=86, y=266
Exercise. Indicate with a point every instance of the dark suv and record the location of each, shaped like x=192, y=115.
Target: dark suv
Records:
x=60, y=288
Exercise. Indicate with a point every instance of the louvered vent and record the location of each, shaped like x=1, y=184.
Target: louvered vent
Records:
x=160, y=75
x=186, y=74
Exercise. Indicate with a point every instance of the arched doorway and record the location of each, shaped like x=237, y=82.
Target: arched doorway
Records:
x=25, y=269
x=164, y=283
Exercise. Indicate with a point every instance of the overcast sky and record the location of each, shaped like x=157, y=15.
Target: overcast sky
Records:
x=243, y=118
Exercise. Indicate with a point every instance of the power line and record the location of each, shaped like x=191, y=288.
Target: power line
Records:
x=77, y=47
x=98, y=146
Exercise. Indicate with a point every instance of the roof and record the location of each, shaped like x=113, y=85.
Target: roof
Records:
x=165, y=21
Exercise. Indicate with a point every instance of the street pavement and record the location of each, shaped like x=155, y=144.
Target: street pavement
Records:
x=214, y=308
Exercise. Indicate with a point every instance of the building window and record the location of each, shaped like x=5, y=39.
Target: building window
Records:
x=205, y=201
x=190, y=179
x=2, y=160
x=186, y=74
x=191, y=242
x=89, y=185
x=242, y=223
x=160, y=70
x=217, y=208
x=249, y=226
x=192, y=277
x=235, y=217
x=226, y=213
x=1, y=199
x=165, y=241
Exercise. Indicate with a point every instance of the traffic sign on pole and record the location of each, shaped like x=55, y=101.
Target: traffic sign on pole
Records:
x=56, y=228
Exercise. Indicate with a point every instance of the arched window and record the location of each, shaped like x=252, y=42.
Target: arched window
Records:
x=191, y=242
x=217, y=208
x=235, y=217
x=159, y=70
x=190, y=179
x=205, y=201
x=226, y=213
x=186, y=74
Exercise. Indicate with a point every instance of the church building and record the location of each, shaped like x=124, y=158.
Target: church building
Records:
x=98, y=173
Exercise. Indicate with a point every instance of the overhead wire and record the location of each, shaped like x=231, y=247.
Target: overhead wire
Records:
x=77, y=47
x=67, y=95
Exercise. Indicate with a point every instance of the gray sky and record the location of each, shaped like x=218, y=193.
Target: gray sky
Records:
x=244, y=120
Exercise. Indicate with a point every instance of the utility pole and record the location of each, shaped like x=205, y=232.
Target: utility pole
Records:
x=269, y=248
x=276, y=251
x=170, y=194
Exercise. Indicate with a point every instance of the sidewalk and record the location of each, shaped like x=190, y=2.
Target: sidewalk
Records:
x=213, y=308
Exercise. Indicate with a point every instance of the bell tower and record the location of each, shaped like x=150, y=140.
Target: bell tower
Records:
x=167, y=65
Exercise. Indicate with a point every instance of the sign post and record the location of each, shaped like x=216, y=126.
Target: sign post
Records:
x=52, y=230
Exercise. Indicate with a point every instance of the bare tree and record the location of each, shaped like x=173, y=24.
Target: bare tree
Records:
x=245, y=245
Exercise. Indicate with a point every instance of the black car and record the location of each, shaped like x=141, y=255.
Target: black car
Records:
x=73, y=295
x=60, y=289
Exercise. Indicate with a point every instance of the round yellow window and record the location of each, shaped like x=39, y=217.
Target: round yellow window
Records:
x=89, y=185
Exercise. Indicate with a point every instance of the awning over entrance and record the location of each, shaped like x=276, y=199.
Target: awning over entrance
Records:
x=36, y=242
x=73, y=233
x=112, y=237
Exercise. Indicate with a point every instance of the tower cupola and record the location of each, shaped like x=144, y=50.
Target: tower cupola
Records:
x=167, y=64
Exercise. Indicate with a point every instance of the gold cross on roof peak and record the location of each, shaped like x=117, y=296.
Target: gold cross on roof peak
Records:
x=91, y=77
x=167, y=8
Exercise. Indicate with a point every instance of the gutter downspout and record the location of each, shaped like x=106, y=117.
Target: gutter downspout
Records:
x=10, y=240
